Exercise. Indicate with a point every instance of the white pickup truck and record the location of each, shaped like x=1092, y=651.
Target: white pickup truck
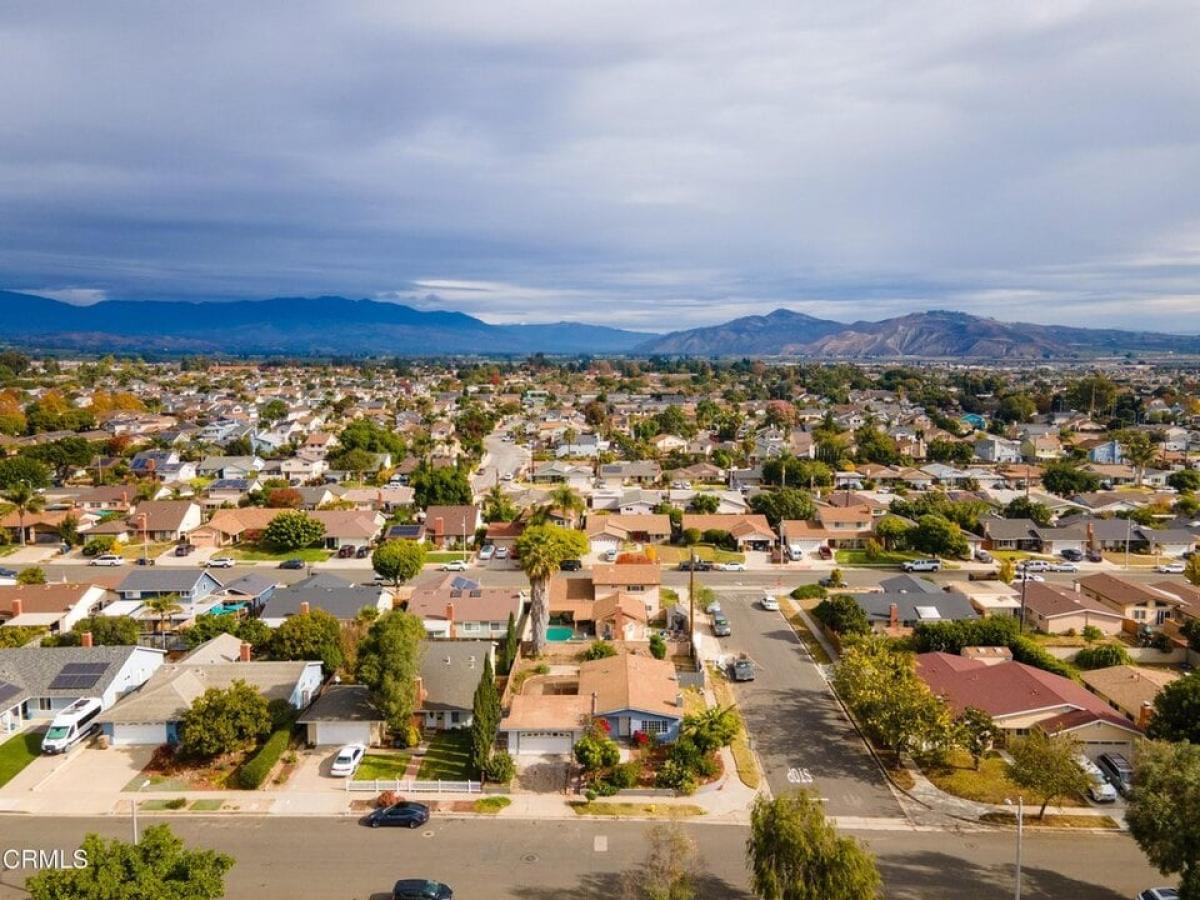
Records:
x=922, y=565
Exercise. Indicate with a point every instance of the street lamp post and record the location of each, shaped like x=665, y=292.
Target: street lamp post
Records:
x=1020, y=839
x=135, y=809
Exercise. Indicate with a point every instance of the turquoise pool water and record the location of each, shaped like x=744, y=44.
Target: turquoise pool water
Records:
x=560, y=633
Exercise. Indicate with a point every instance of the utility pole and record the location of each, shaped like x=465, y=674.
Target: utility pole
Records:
x=692, y=606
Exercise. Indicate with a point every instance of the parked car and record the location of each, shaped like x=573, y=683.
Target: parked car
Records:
x=503, y=553
x=144, y=561
x=1063, y=567
x=1171, y=568
x=922, y=565
x=183, y=549
x=1033, y=565
x=825, y=551
x=1095, y=556
x=769, y=603
x=345, y=552
x=699, y=565
x=1072, y=554
x=407, y=815
x=1159, y=893
x=7, y=573
x=108, y=559
x=983, y=556
x=507, y=476
x=741, y=669
x=714, y=606
x=420, y=889
x=487, y=551
x=222, y=562
x=720, y=625
x=1117, y=770
x=611, y=556
x=362, y=552
x=1100, y=791
x=730, y=567
x=989, y=575
x=347, y=761
x=570, y=565
x=455, y=565
x=292, y=564
x=1028, y=576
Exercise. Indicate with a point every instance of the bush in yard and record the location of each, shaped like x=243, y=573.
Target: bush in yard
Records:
x=32, y=575
x=640, y=738
x=222, y=720
x=1101, y=657
x=809, y=592
x=293, y=530
x=676, y=775
x=176, y=803
x=255, y=772
x=596, y=750
x=842, y=615
x=599, y=650
x=1092, y=633
x=658, y=647
x=98, y=546
x=691, y=536
x=311, y=635
x=625, y=775
x=500, y=768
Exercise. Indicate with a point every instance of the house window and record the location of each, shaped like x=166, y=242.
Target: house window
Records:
x=1139, y=615
x=654, y=726
x=45, y=704
x=635, y=588
x=454, y=718
x=470, y=626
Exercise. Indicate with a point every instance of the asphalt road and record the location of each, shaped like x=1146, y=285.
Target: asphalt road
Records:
x=799, y=731
x=556, y=860
x=504, y=458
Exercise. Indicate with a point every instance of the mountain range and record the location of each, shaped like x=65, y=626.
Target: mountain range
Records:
x=322, y=326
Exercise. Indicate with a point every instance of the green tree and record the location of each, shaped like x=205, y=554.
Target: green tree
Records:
x=805, y=473
x=1092, y=393
x=32, y=575
x=443, y=486
x=222, y=720
x=357, y=461
x=542, y=549
x=1102, y=656
x=1185, y=480
x=1066, y=479
x=1191, y=571
x=564, y=500
x=16, y=470
x=1008, y=570
x=398, y=561
x=596, y=750
x=485, y=720
x=665, y=872
x=1177, y=711
x=712, y=729
x=842, y=615
x=785, y=503
x=944, y=451
x=1164, y=811
x=64, y=455
x=599, y=650
x=158, y=866
x=293, y=530
x=389, y=663
x=164, y=606
x=25, y=500
x=510, y=647
x=794, y=853
x=1024, y=508
x=309, y=636
x=497, y=507
x=976, y=732
x=1046, y=765
x=106, y=631
x=1137, y=451
x=254, y=632
x=705, y=504
x=273, y=411
x=938, y=536
x=68, y=530
x=892, y=531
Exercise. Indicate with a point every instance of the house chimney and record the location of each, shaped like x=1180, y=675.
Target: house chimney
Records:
x=18, y=606
x=893, y=616
x=450, y=619
x=439, y=527
x=1091, y=535
x=244, y=652
x=304, y=607
x=1144, y=714
x=85, y=639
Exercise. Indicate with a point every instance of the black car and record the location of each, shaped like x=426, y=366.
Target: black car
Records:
x=1095, y=556
x=699, y=565
x=571, y=565
x=183, y=549
x=1072, y=555
x=420, y=889
x=362, y=552
x=8, y=573
x=145, y=561
x=407, y=815
x=292, y=564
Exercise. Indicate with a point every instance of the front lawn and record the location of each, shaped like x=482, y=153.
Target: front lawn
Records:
x=883, y=558
x=448, y=757
x=382, y=766
x=990, y=784
x=1051, y=820
x=260, y=553
x=671, y=555
x=136, y=549
x=637, y=810
x=491, y=806
x=445, y=556
x=18, y=752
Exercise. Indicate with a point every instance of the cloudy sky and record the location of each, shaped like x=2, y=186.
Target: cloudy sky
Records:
x=654, y=164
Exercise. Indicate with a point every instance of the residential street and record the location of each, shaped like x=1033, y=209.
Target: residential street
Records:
x=799, y=731
x=337, y=858
x=503, y=458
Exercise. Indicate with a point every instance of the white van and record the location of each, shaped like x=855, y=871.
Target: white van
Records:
x=72, y=725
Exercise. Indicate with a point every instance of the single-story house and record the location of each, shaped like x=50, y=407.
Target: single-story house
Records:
x=56, y=606
x=37, y=682
x=904, y=601
x=1130, y=690
x=192, y=585
x=1055, y=609
x=1139, y=603
x=336, y=596
x=343, y=714
x=609, y=532
x=447, y=525
x=452, y=606
x=749, y=532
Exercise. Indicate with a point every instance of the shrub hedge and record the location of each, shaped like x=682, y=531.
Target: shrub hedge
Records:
x=255, y=770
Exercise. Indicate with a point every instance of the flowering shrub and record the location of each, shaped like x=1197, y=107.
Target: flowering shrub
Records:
x=640, y=738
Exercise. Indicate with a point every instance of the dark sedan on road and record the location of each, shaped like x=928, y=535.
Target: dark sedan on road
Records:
x=420, y=889
x=699, y=565
x=292, y=564
x=406, y=815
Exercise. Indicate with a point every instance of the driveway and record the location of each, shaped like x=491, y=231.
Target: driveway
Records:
x=84, y=770
x=798, y=729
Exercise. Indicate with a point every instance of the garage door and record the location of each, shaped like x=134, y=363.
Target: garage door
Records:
x=343, y=733
x=134, y=735
x=545, y=742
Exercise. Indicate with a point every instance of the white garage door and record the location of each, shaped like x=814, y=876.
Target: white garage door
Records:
x=343, y=733
x=147, y=735
x=545, y=742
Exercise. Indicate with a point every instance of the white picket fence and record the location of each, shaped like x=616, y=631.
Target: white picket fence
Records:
x=412, y=786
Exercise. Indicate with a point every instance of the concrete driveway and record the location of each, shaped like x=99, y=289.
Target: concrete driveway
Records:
x=84, y=770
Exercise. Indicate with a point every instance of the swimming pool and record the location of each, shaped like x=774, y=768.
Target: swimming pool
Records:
x=560, y=633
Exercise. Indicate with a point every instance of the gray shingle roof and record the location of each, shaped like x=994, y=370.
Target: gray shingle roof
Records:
x=343, y=703
x=450, y=672
x=34, y=668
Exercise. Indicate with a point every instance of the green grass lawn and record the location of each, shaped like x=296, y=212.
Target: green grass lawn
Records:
x=137, y=549
x=885, y=558
x=18, y=752
x=256, y=553
x=208, y=805
x=6, y=549
x=384, y=766
x=1018, y=555
x=671, y=555
x=158, y=804
x=637, y=810
x=990, y=784
x=448, y=757
x=491, y=806
x=445, y=556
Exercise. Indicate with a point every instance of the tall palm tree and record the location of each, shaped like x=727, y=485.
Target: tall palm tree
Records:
x=541, y=550
x=163, y=605
x=26, y=500
x=567, y=500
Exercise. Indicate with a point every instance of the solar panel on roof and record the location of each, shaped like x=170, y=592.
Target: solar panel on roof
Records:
x=78, y=676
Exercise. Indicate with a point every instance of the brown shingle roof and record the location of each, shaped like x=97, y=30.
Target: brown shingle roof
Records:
x=631, y=682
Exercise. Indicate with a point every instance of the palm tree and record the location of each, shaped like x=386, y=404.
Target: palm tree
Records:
x=26, y=500
x=541, y=550
x=1138, y=451
x=567, y=500
x=163, y=605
